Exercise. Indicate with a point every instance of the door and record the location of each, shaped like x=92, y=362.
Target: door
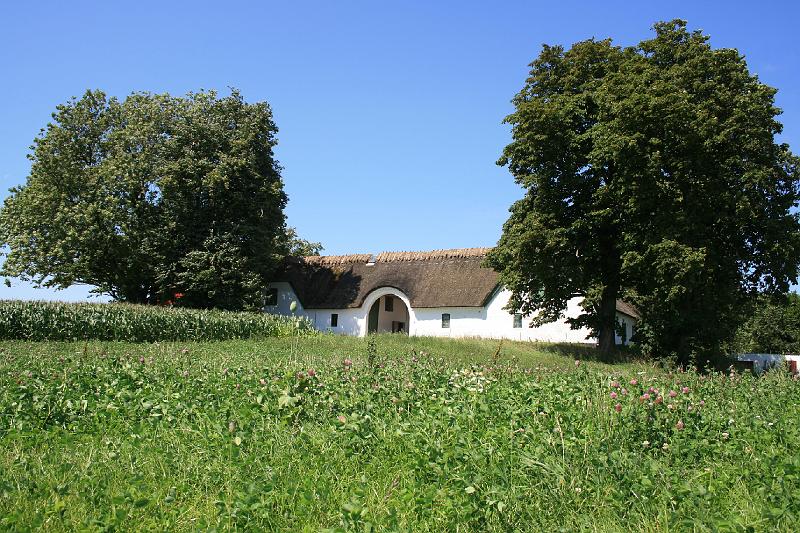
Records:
x=372, y=320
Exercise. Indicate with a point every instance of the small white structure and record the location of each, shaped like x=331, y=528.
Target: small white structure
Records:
x=444, y=293
x=764, y=361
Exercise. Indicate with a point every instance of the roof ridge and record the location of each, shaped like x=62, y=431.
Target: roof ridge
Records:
x=452, y=253
x=337, y=259
x=389, y=256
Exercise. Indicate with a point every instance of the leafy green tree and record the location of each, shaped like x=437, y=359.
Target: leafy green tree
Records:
x=152, y=196
x=299, y=247
x=650, y=173
x=772, y=326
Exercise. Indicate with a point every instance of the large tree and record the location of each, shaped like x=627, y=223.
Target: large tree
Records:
x=152, y=196
x=650, y=173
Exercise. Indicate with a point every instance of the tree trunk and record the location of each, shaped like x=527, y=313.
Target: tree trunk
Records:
x=607, y=321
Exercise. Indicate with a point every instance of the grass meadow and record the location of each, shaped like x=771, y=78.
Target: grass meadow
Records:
x=390, y=434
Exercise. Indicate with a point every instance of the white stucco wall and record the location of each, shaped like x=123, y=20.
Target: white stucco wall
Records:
x=491, y=321
x=495, y=322
x=285, y=298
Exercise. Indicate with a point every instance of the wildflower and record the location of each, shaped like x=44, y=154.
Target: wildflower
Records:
x=184, y=351
x=613, y=395
x=185, y=373
x=618, y=407
x=301, y=376
x=262, y=381
x=577, y=362
x=702, y=403
x=646, y=444
x=624, y=391
x=312, y=373
x=680, y=425
x=671, y=406
x=645, y=396
x=672, y=394
x=634, y=382
x=659, y=400
x=341, y=419
x=141, y=360
x=347, y=362
x=725, y=435
x=685, y=390
x=615, y=384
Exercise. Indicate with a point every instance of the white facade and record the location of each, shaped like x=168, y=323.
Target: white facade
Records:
x=490, y=321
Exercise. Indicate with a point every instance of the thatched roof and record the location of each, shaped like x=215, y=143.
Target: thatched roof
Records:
x=627, y=309
x=441, y=278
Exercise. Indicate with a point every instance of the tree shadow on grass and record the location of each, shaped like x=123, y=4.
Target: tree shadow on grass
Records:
x=586, y=352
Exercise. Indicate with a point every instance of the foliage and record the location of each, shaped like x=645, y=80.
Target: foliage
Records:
x=300, y=247
x=651, y=174
x=439, y=436
x=773, y=326
x=150, y=196
x=135, y=323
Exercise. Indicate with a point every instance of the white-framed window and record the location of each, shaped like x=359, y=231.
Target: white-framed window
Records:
x=445, y=320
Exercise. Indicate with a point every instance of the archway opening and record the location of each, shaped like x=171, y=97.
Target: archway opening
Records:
x=388, y=314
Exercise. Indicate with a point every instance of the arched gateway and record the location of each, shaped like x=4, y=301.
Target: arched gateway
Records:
x=442, y=293
x=388, y=311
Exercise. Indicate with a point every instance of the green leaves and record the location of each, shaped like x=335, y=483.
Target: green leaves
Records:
x=63, y=321
x=152, y=196
x=651, y=174
x=401, y=445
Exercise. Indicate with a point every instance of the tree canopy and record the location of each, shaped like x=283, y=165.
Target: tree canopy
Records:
x=651, y=173
x=152, y=196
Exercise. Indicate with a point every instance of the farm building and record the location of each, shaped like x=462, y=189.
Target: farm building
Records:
x=443, y=293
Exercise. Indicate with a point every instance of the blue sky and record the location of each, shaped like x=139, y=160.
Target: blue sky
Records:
x=390, y=113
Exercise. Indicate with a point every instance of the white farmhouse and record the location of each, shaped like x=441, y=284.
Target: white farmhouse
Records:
x=443, y=293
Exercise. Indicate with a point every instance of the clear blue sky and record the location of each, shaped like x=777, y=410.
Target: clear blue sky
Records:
x=389, y=112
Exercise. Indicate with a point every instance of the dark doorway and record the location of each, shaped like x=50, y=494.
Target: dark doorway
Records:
x=372, y=321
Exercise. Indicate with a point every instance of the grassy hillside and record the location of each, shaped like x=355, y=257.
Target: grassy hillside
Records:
x=418, y=434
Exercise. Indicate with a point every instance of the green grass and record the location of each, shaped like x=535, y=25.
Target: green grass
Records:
x=419, y=435
x=54, y=321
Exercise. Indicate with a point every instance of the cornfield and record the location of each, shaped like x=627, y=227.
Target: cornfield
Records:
x=40, y=321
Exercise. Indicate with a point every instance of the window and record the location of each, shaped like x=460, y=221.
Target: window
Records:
x=388, y=305
x=334, y=320
x=517, y=320
x=445, y=320
x=271, y=298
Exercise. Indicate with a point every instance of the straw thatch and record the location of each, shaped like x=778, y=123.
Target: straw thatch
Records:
x=457, y=253
x=337, y=259
x=442, y=278
x=627, y=309
x=438, y=278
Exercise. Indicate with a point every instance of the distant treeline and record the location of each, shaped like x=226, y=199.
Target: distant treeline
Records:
x=40, y=321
